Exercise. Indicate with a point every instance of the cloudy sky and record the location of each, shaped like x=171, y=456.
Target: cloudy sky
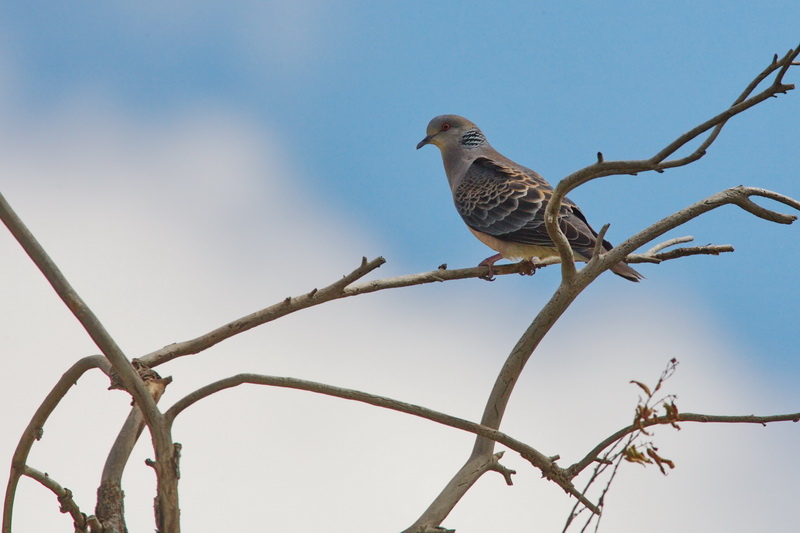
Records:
x=188, y=164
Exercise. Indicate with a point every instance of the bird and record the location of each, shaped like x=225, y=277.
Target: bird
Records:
x=503, y=203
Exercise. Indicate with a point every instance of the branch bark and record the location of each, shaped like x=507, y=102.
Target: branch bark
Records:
x=544, y=463
x=574, y=282
x=593, y=455
x=320, y=296
x=110, y=508
x=35, y=428
x=161, y=437
x=82, y=312
x=482, y=458
x=334, y=291
x=64, y=495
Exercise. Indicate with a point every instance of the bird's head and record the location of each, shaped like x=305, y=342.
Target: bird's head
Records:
x=450, y=131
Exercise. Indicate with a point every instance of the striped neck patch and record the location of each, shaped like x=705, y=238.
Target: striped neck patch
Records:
x=473, y=138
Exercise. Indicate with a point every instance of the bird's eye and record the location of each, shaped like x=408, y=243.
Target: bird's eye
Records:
x=445, y=126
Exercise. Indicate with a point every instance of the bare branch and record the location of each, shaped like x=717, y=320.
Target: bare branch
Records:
x=737, y=195
x=85, y=316
x=666, y=244
x=598, y=244
x=692, y=250
x=573, y=283
x=658, y=161
x=334, y=291
x=64, y=496
x=35, y=428
x=551, y=218
x=110, y=506
x=320, y=296
x=681, y=417
x=503, y=470
x=537, y=459
x=167, y=488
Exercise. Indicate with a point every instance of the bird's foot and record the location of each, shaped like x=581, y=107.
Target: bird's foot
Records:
x=527, y=267
x=489, y=262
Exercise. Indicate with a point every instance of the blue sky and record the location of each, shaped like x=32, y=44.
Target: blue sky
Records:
x=242, y=137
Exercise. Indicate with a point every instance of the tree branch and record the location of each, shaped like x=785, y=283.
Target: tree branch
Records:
x=537, y=459
x=334, y=291
x=320, y=296
x=737, y=195
x=110, y=508
x=64, y=496
x=82, y=312
x=162, y=440
x=574, y=282
x=590, y=457
x=35, y=428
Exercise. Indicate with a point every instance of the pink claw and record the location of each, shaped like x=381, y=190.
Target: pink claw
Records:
x=489, y=262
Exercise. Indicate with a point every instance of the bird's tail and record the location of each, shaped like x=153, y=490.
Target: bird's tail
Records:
x=621, y=269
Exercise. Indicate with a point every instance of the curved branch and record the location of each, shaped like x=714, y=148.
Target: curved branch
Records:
x=167, y=480
x=737, y=195
x=34, y=430
x=64, y=496
x=558, y=304
x=590, y=457
x=671, y=242
x=658, y=161
x=537, y=459
x=110, y=510
x=573, y=283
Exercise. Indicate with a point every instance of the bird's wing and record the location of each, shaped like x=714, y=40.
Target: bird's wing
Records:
x=509, y=204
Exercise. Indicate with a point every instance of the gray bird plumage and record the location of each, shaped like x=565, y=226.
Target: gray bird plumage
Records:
x=503, y=203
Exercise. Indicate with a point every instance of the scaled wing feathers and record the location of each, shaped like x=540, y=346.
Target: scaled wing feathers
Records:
x=509, y=203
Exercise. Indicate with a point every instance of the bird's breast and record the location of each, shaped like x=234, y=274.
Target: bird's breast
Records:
x=514, y=251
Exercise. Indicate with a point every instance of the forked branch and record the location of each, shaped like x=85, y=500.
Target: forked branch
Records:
x=659, y=161
x=597, y=451
x=35, y=428
x=574, y=282
x=136, y=387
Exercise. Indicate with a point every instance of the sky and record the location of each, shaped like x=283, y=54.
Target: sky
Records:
x=188, y=164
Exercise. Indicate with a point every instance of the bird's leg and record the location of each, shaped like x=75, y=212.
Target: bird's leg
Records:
x=526, y=267
x=489, y=262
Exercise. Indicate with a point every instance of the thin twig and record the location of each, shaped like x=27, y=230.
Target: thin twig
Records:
x=670, y=242
x=317, y=297
x=289, y=305
x=576, y=468
x=737, y=195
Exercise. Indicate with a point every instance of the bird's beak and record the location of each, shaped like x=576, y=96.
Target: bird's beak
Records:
x=423, y=142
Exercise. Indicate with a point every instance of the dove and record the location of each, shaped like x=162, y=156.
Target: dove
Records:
x=503, y=203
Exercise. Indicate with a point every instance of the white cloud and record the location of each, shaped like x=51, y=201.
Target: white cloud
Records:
x=173, y=227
